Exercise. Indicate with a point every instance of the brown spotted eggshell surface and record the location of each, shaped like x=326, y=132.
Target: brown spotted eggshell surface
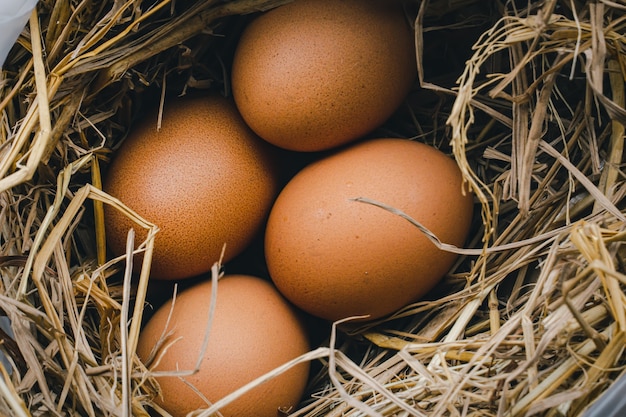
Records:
x=315, y=74
x=254, y=330
x=205, y=179
x=336, y=258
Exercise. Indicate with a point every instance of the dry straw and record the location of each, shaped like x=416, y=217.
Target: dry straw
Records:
x=530, y=321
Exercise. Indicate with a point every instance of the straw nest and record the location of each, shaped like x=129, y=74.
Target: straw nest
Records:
x=527, y=96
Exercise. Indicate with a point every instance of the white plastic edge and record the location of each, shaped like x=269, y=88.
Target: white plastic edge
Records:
x=13, y=17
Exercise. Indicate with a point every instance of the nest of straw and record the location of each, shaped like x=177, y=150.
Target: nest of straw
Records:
x=529, y=99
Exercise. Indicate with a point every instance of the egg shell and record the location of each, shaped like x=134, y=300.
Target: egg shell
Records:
x=254, y=331
x=335, y=257
x=315, y=74
x=205, y=179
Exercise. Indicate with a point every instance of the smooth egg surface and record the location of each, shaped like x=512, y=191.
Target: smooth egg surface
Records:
x=254, y=330
x=205, y=179
x=315, y=74
x=335, y=257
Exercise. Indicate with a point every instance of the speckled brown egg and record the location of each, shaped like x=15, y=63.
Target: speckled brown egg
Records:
x=335, y=257
x=315, y=74
x=254, y=330
x=205, y=179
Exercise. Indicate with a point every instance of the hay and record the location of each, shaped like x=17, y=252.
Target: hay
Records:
x=530, y=101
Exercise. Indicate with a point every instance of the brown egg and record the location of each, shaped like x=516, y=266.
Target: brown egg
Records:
x=205, y=179
x=315, y=74
x=335, y=257
x=254, y=331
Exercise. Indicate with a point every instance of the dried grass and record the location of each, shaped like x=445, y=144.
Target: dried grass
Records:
x=531, y=320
